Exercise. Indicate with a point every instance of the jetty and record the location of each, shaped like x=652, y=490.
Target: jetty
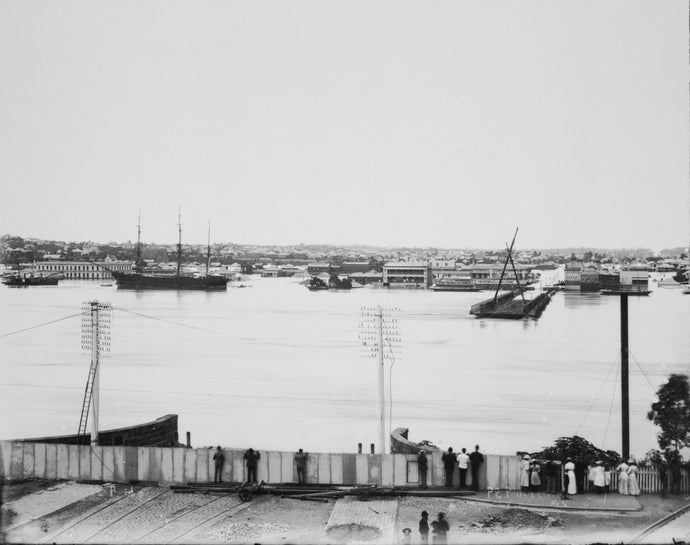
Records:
x=512, y=304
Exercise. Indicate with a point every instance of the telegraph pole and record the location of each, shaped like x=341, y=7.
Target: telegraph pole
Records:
x=625, y=402
x=95, y=339
x=378, y=329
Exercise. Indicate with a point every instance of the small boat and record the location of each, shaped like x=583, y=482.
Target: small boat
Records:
x=106, y=285
x=624, y=292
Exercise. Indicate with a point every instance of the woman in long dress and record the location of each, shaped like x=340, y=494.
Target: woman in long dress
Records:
x=524, y=473
x=570, y=472
x=599, y=477
x=535, y=478
x=622, y=470
x=633, y=486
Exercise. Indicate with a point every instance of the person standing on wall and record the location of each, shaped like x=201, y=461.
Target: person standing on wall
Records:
x=219, y=460
x=301, y=466
x=252, y=457
x=463, y=463
x=422, y=467
x=448, y=459
x=476, y=460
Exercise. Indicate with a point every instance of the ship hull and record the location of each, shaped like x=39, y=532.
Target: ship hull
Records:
x=127, y=281
x=20, y=282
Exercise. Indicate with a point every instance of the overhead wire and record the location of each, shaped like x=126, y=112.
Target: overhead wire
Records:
x=613, y=397
x=39, y=325
x=601, y=387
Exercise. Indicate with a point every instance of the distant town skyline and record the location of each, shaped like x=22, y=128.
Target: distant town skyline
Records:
x=438, y=124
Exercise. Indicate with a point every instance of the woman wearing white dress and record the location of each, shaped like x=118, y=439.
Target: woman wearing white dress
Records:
x=599, y=477
x=570, y=472
x=633, y=486
x=622, y=470
x=524, y=473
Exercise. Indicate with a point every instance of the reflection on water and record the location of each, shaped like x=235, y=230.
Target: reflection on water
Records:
x=279, y=367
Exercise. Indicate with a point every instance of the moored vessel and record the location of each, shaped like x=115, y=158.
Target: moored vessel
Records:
x=138, y=280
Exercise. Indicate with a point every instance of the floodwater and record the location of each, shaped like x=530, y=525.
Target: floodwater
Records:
x=278, y=367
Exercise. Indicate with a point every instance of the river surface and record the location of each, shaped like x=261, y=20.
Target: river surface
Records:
x=278, y=367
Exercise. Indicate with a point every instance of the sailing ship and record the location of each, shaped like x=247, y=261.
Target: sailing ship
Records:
x=138, y=280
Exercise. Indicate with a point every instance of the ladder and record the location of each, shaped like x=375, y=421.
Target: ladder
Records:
x=87, y=399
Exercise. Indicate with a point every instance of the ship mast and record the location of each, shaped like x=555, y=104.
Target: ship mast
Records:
x=208, y=253
x=137, y=264
x=179, y=241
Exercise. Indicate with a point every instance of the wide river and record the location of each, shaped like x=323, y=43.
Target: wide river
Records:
x=278, y=367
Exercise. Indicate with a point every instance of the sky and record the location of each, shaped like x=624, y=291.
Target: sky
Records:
x=395, y=123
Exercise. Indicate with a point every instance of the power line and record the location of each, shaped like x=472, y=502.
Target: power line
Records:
x=613, y=397
x=601, y=387
x=40, y=325
x=167, y=321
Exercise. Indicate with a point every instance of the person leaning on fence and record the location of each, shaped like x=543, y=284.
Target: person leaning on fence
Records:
x=599, y=480
x=622, y=470
x=633, y=486
x=448, y=459
x=218, y=460
x=422, y=467
x=476, y=460
x=251, y=456
x=551, y=475
x=301, y=466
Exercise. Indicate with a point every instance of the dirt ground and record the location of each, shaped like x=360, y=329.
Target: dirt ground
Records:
x=271, y=519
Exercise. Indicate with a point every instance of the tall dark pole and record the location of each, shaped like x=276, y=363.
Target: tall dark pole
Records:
x=625, y=405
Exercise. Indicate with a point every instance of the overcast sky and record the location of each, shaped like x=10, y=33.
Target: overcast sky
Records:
x=396, y=123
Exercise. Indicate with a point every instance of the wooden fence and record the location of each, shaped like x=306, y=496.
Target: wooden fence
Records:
x=22, y=460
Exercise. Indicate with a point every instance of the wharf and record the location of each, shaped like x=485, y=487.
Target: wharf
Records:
x=510, y=306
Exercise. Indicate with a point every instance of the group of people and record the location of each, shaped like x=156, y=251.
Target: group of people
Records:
x=251, y=458
x=451, y=460
x=439, y=530
x=599, y=476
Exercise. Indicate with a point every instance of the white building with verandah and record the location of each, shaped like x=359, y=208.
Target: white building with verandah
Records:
x=407, y=274
x=84, y=270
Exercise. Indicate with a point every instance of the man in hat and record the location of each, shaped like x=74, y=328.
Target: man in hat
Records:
x=476, y=460
x=422, y=467
x=252, y=457
x=218, y=460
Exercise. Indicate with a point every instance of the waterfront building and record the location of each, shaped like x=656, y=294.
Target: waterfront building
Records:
x=589, y=280
x=609, y=280
x=349, y=267
x=84, y=270
x=634, y=280
x=318, y=267
x=406, y=274
x=364, y=278
x=486, y=276
x=573, y=273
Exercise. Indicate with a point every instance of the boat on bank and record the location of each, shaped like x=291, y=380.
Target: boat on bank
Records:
x=138, y=280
